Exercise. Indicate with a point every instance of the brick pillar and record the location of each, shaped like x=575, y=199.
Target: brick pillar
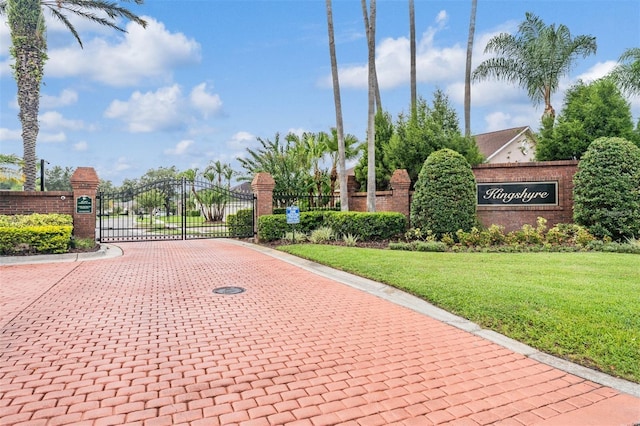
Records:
x=84, y=182
x=400, y=184
x=262, y=186
x=352, y=187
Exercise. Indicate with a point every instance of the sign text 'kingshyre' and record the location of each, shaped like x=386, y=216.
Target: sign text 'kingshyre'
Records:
x=518, y=193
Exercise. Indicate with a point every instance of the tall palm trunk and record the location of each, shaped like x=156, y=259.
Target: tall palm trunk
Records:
x=27, y=33
x=376, y=86
x=467, y=73
x=370, y=21
x=342, y=172
x=412, y=36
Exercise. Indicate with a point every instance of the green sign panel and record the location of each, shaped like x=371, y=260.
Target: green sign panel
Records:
x=84, y=204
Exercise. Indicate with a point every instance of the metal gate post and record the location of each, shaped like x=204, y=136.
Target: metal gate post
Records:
x=183, y=208
x=100, y=196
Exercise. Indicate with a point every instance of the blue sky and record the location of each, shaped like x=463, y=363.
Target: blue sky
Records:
x=209, y=76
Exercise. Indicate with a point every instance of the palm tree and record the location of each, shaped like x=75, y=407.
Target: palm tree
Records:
x=344, y=199
x=627, y=73
x=29, y=48
x=535, y=58
x=412, y=37
x=351, y=150
x=370, y=22
x=467, y=72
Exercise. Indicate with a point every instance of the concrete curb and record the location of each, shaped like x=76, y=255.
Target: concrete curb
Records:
x=414, y=303
x=106, y=251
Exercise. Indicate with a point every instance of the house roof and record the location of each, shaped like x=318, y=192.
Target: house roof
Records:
x=492, y=142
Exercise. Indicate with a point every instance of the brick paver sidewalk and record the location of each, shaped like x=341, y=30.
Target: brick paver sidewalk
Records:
x=142, y=339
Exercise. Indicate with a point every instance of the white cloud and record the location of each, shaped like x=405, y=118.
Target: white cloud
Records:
x=80, y=146
x=121, y=164
x=65, y=98
x=204, y=102
x=180, y=148
x=150, y=111
x=52, y=137
x=55, y=120
x=10, y=135
x=597, y=71
x=241, y=140
x=433, y=64
x=140, y=54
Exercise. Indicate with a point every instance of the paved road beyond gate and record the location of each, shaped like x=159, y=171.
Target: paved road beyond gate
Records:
x=174, y=209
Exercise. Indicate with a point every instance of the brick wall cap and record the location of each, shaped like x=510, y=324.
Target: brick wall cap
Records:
x=529, y=164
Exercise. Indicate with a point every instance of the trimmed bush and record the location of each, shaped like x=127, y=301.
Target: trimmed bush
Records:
x=364, y=226
x=274, y=227
x=367, y=226
x=35, y=233
x=607, y=189
x=241, y=223
x=444, y=200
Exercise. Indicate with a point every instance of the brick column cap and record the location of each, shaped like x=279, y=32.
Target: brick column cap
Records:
x=85, y=175
x=400, y=180
x=263, y=181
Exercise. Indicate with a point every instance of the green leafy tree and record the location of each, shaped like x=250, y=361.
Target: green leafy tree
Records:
x=627, y=73
x=535, y=58
x=164, y=180
x=591, y=111
x=29, y=49
x=279, y=158
x=384, y=133
x=607, y=189
x=444, y=200
x=57, y=178
x=432, y=128
x=150, y=200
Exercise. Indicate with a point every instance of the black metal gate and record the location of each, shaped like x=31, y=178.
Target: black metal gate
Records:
x=175, y=209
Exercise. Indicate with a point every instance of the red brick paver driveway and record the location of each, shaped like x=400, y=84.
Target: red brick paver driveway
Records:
x=143, y=340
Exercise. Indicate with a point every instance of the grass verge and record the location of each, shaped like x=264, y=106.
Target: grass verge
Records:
x=584, y=307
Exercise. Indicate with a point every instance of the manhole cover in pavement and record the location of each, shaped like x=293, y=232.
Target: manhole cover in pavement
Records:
x=229, y=290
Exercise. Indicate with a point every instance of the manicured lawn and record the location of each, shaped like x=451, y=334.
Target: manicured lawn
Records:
x=584, y=307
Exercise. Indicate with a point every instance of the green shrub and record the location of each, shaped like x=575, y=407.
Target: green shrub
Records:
x=444, y=200
x=433, y=246
x=36, y=219
x=401, y=245
x=35, y=239
x=607, y=189
x=350, y=240
x=241, y=223
x=35, y=233
x=321, y=235
x=273, y=227
x=367, y=226
x=295, y=237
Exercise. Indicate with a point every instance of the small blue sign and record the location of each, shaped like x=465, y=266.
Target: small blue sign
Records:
x=293, y=214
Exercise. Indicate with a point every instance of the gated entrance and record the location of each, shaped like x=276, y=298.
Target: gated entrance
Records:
x=175, y=209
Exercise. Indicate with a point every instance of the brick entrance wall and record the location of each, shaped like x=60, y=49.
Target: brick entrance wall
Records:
x=513, y=217
x=84, y=182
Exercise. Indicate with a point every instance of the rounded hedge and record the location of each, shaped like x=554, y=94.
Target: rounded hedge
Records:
x=607, y=189
x=444, y=200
